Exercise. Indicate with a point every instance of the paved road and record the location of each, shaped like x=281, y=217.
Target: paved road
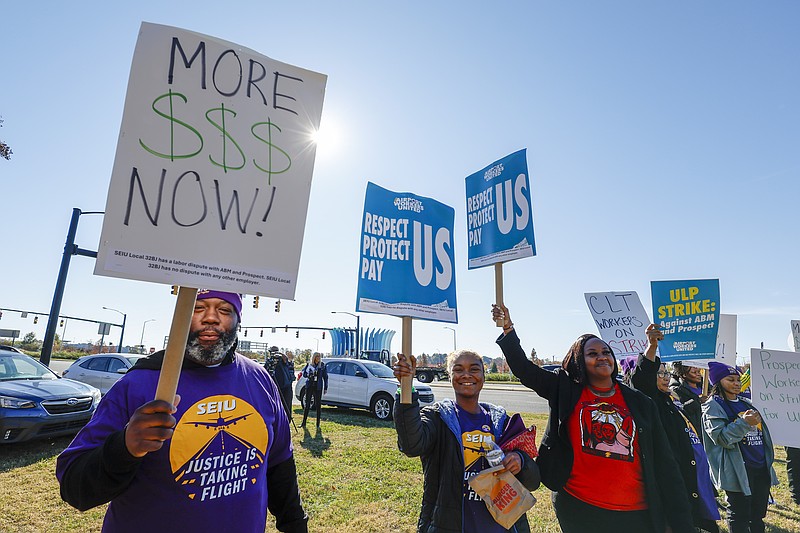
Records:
x=514, y=397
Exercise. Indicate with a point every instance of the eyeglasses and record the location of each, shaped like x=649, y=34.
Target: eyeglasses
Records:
x=663, y=374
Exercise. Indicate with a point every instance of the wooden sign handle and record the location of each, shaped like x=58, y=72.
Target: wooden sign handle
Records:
x=176, y=346
x=406, y=381
x=705, y=382
x=498, y=290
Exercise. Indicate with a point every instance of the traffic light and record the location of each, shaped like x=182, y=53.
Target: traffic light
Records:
x=174, y=289
x=1, y=314
x=245, y=333
x=273, y=330
x=323, y=335
x=61, y=324
x=255, y=302
x=36, y=320
x=278, y=306
x=297, y=333
x=287, y=329
x=262, y=333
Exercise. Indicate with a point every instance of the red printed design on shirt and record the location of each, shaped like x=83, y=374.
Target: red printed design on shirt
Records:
x=607, y=429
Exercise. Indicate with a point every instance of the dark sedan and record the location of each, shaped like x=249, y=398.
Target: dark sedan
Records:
x=36, y=403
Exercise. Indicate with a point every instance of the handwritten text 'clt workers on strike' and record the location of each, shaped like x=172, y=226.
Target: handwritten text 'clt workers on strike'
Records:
x=257, y=154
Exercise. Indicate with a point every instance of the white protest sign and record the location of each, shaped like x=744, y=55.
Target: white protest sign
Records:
x=775, y=382
x=796, y=335
x=620, y=319
x=726, y=344
x=213, y=168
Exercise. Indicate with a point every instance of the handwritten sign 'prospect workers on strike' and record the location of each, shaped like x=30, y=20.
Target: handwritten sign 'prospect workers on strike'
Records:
x=213, y=169
x=776, y=392
x=688, y=313
x=407, y=258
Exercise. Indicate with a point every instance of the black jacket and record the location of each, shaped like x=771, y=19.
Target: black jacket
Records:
x=424, y=433
x=666, y=495
x=644, y=380
x=692, y=404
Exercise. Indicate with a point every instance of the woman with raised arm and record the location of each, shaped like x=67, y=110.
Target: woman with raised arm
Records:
x=651, y=377
x=604, y=453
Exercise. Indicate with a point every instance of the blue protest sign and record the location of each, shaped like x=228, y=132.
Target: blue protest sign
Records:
x=499, y=214
x=688, y=313
x=407, y=256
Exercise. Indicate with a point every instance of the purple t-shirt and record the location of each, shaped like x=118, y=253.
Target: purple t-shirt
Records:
x=476, y=439
x=211, y=476
x=752, y=445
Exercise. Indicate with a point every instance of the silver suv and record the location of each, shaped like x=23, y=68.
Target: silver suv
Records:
x=364, y=384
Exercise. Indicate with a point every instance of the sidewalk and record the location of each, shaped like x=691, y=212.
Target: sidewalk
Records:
x=490, y=385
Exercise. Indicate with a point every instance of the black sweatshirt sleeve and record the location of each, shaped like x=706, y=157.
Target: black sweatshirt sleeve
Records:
x=284, y=498
x=100, y=475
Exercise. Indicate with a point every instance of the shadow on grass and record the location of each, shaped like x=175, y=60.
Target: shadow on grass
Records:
x=27, y=453
x=315, y=445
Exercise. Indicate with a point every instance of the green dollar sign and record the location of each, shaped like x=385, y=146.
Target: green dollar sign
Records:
x=225, y=136
x=270, y=171
x=172, y=121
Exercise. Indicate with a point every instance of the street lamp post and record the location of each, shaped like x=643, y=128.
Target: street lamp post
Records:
x=122, y=333
x=141, y=339
x=358, y=330
x=454, y=336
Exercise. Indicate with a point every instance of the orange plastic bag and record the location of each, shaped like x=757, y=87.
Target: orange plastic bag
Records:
x=505, y=497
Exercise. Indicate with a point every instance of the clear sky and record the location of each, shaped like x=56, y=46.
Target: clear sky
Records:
x=663, y=143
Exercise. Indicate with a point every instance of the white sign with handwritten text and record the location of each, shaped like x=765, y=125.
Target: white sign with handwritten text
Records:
x=776, y=392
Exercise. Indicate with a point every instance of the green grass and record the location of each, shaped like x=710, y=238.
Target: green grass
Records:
x=352, y=478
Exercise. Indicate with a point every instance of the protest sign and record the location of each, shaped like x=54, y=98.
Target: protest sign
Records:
x=212, y=173
x=775, y=377
x=499, y=213
x=621, y=320
x=726, y=344
x=407, y=257
x=796, y=335
x=688, y=313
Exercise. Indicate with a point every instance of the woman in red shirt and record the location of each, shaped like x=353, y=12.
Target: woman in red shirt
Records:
x=604, y=453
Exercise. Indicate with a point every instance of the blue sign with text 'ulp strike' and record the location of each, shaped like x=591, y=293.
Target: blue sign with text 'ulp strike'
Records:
x=688, y=313
x=407, y=259
x=499, y=213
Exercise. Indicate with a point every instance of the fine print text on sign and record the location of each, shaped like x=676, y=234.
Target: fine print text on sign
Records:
x=620, y=319
x=688, y=313
x=726, y=344
x=407, y=257
x=213, y=168
x=499, y=213
x=776, y=391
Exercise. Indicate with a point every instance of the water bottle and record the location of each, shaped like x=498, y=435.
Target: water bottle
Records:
x=494, y=455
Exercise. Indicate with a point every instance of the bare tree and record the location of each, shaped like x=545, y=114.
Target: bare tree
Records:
x=5, y=150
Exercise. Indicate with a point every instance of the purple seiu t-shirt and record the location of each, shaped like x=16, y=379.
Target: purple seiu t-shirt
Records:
x=211, y=475
x=752, y=445
x=476, y=440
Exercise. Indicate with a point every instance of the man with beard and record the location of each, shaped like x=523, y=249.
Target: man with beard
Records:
x=215, y=460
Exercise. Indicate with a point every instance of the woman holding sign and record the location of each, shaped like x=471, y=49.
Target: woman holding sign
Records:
x=604, y=453
x=739, y=450
x=651, y=377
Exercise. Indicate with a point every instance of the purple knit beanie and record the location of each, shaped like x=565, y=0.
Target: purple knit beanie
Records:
x=231, y=297
x=717, y=371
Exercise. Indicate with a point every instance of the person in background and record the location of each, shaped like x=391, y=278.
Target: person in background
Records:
x=687, y=385
x=651, y=377
x=284, y=377
x=452, y=438
x=739, y=449
x=793, y=472
x=317, y=384
x=604, y=453
x=215, y=459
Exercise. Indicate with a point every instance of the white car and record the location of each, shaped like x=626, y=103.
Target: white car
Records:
x=101, y=370
x=364, y=384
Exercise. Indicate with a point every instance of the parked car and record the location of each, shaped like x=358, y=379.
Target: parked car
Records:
x=363, y=384
x=35, y=402
x=101, y=370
